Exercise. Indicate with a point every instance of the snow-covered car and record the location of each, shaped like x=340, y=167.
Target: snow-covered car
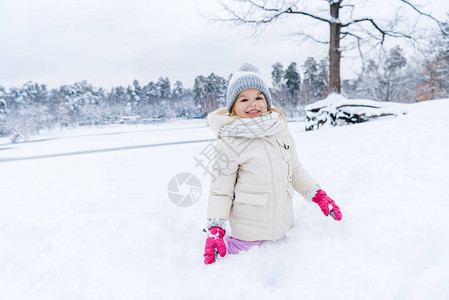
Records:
x=337, y=110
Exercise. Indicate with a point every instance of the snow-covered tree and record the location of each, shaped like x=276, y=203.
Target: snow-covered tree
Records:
x=386, y=80
x=199, y=92
x=322, y=81
x=115, y=103
x=178, y=90
x=293, y=83
x=310, y=76
x=279, y=89
x=315, y=80
x=164, y=87
x=209, y=92
x=59, y=110
x=277, y=75
x=28, y=111
x=152, y=96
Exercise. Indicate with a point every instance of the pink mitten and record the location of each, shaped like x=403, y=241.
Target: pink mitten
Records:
x=323, y=202
x=214, y=239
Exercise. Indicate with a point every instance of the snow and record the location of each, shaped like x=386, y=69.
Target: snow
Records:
x=338, y=100
x=99, y=225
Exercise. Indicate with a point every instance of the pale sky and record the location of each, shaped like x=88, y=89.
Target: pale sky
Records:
x=113, y=42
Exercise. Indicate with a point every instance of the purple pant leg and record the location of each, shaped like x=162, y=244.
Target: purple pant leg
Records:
x=234, y=246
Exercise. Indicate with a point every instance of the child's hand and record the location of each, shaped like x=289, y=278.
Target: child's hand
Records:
x=214, y=239
x=323, y=202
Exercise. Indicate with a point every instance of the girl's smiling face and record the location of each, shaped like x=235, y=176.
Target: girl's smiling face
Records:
x=250, y=103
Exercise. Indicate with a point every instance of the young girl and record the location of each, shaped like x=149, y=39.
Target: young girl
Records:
x=256, y=171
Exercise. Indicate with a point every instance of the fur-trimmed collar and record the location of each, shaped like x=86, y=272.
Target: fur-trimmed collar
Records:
x=219, y=118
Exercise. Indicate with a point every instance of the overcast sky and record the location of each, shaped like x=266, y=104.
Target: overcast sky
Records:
x=113, y=42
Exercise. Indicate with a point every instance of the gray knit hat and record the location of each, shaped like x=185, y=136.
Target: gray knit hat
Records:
x=248, y=76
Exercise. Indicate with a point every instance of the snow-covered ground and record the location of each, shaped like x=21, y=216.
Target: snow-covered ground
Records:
x=79, y=221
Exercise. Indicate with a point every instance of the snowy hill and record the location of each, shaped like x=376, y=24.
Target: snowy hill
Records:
x=85, y=215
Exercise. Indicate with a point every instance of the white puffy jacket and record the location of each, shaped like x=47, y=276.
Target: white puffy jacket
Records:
x=253, y=182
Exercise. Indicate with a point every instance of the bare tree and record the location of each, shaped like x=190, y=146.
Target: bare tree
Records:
x=340, y=18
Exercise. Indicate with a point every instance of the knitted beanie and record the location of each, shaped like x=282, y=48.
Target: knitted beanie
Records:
x=248, y=76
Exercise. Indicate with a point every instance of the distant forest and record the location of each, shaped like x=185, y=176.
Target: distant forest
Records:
x=33, y=107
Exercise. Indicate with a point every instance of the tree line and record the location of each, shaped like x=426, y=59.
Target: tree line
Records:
x=388, y=76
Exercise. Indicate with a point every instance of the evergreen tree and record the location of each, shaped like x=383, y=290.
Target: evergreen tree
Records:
x=293, y=83
x=322, y=81
x=58, y=109
x=277, y=75
x=152, y=94
x=394, y=81
x=87, y=102
x=116, y=103
x=279, y=90
x=209, y=92
x=369, y=82
x=199, y=93
x=178, y=90
x=216, y=90
x=137, y=93
x=164, y=88
x=395, y=60
x=310, y=78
